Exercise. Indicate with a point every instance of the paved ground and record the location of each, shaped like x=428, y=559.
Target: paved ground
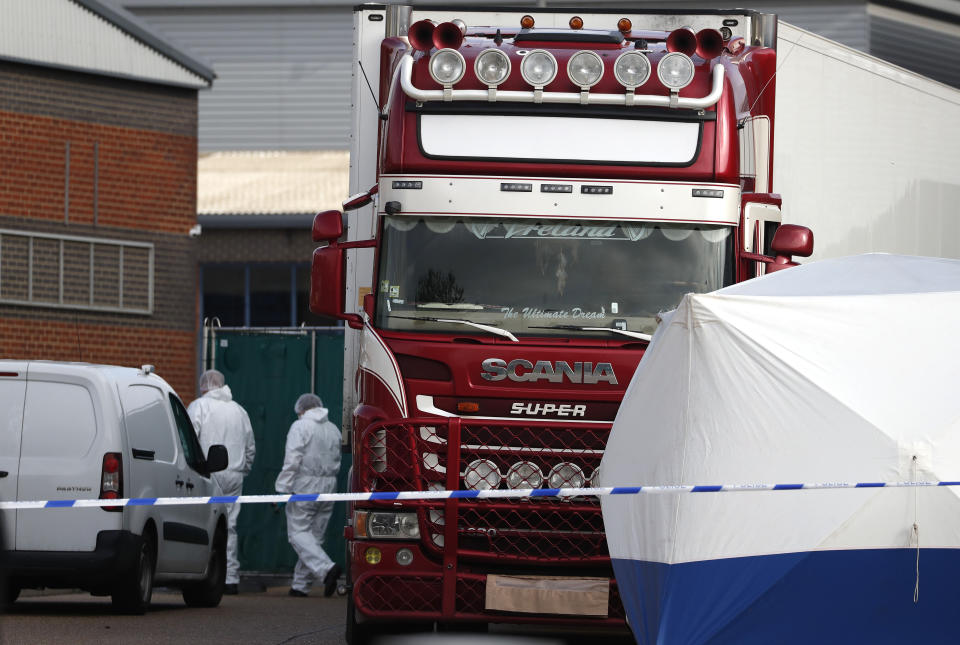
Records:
x=268, y=616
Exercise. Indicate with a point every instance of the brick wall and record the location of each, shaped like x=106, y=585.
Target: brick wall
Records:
x=91, y=156
x=171, y=352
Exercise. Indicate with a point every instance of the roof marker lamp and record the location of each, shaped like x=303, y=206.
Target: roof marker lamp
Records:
x=492, y=67
x=447, y=67
x=585, y=68
x=632, y=70
x=538, y=68
x=675, y=71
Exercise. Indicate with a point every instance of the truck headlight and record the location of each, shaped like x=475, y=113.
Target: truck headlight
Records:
x=383, y=525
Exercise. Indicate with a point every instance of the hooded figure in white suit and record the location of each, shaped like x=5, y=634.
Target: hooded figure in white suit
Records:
x=311, y=463
x=217, y=418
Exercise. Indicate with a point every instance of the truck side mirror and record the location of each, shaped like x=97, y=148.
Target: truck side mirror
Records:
x=790, y=240
x=217, y=458
x=327, y=226
x=327, y=285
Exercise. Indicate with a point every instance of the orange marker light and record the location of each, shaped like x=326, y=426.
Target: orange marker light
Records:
x=576, y=22
x=527, y=22
x=468, y=406
x=624, y=25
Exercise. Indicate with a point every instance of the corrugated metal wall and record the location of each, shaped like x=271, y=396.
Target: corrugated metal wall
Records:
x=283, y=74
x=844, y=20
x=923, y=51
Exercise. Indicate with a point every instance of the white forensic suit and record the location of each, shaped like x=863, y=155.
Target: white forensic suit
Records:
x=217, y=418
x=310, y=465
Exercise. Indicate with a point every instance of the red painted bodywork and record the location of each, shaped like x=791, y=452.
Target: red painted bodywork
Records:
x=446, y=580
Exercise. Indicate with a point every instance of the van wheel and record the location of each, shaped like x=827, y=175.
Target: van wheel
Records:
x=209, y=592
x=9, y=593
x=132, y=593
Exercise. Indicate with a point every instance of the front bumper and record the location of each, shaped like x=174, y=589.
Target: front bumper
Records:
x=414, y=596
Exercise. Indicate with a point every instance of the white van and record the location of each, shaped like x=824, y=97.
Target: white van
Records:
x=81, y=431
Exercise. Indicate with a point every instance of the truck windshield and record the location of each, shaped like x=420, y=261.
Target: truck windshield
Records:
x=543, y=277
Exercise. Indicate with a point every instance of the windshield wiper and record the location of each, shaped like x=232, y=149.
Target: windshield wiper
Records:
x=625, y=332
x=492, y=330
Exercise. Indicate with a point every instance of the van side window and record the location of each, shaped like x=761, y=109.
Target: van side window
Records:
x=148, y=425
x=188, y=438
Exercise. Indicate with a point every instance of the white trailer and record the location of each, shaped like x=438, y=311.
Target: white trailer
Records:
x=866, y=154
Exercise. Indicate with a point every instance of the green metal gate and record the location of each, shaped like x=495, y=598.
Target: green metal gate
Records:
x=267, y=369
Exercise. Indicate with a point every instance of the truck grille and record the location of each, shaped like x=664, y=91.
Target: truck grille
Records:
x=430, y=453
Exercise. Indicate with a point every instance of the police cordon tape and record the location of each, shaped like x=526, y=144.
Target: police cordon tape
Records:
x=457, y=494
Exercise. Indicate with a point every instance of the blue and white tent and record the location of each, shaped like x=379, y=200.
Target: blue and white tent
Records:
x=844, y=370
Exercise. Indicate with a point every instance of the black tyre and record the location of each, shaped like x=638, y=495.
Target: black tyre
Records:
x=360, y=633
x=9, y=592
x=209, y=591
x=132, y=593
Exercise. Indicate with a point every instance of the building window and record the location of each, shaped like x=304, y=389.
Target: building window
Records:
x=71, y=272
x=258, y=295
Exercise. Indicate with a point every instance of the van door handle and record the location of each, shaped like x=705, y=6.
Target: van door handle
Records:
x=3, y=474
x=179, y=482
x=189, y=485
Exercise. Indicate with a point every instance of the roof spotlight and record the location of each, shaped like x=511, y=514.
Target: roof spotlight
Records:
x=585, y=68
x=675, y=70
x=447, y=66
x=492, y=67
x=632, y=69
x=538, y=68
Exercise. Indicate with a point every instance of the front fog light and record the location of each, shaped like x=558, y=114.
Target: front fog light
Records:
x=675, y=70
x=481, y=474
x=538, y=68
x=492, y=67
x=447, y=66
x=524, y=474
x=585, y=69
x=372, y=555
x=566, y=475
x=404, y=557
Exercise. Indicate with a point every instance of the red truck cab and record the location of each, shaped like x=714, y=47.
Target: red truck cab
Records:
x=542, y=193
